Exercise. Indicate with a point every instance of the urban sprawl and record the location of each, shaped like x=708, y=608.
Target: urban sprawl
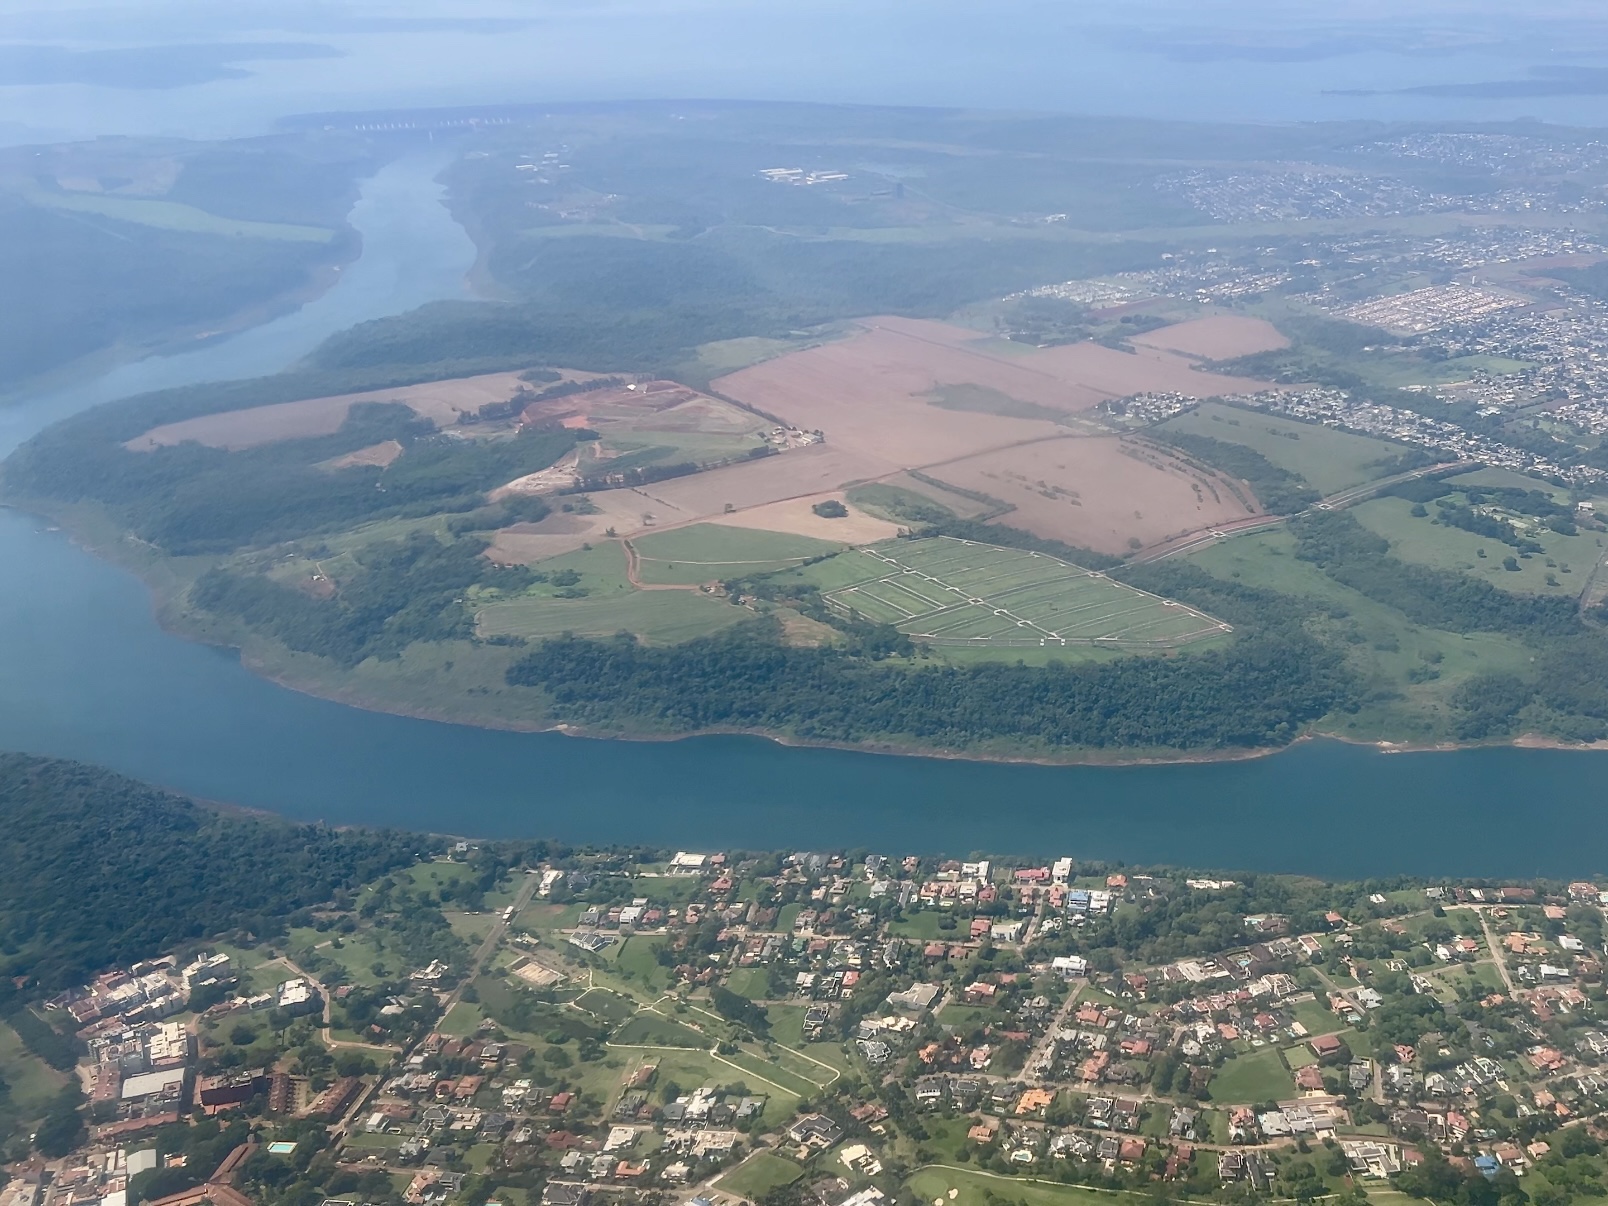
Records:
x=849, y=1030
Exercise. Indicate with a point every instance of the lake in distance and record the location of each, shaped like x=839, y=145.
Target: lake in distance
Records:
x=86, y=673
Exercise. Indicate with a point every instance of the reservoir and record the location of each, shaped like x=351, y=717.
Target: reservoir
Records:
x=86, y=673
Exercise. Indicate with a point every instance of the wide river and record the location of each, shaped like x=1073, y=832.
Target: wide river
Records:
x=86, y=673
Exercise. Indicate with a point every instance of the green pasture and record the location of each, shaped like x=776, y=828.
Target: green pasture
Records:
x=706, y=552
x=1329, y=459
x=1419, y=539
x=969, y=594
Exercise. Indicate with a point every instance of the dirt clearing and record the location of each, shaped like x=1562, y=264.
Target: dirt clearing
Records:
x=1102, y=493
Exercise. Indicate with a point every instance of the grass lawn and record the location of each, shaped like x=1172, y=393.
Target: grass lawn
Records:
x=772, y=1075
x=462, y=1020
x=925, y=924
x=750, y=982
x=481, y=1156
x=1328, y=459
x=636, y=961
x=33, y=1083
x=652, y=1030
x=759, y=1174
x=1299, y=1057
x=369, y=1141
x=610, y=1006
x=1315, y=1016
x=1253, y=1078
x=707, y=552
x=435, y=874
x=933, y=1184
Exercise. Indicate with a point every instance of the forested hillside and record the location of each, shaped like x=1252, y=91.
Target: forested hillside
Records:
x=97, y=869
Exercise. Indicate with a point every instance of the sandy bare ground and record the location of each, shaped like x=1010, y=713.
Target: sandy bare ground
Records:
x=378, y=455
x=1100, y=492
x=442, y=402
x=1220, y=337
x=795, y=517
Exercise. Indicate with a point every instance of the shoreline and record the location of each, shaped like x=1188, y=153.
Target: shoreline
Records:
x=167, y=613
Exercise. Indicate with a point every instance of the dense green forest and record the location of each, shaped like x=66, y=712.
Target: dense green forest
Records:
x=406, y=591
x=1259, y=692
x=99, y=870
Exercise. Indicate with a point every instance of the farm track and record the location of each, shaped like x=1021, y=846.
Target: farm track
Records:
x=633, y=566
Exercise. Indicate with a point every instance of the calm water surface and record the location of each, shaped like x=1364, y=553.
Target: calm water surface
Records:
x=86, y=673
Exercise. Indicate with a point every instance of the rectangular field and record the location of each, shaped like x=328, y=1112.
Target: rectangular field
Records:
x=958, y=592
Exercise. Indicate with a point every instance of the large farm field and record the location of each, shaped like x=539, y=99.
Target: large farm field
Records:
x=1108, y=493
x=959, y=592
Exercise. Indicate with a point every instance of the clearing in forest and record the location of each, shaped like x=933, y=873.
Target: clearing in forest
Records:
x=958, y=592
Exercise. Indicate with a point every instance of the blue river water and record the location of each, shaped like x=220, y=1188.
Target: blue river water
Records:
x=85, y=672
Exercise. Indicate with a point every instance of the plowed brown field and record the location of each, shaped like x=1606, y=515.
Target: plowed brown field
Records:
x=1220, y=337
x=1102, y=492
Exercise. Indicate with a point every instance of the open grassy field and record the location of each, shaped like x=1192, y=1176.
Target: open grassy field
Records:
x=1563, y=569
x=706, y=552
x=609, y=1006
x=1261, y=1076
x=32, y=1082
x=972, y=1188
x=959, y=592
x=610, y=605
x=1329, y=459
x=759, y=1174
x=652, y=1030
x=1382, y=645
x=750, y=982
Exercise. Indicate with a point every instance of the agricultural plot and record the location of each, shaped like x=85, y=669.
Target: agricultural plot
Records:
x=958, y=592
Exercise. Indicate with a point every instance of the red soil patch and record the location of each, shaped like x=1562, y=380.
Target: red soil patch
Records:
x=1220, y=337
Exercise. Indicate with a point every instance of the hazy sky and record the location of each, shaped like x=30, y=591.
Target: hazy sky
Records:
x=157, y=66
